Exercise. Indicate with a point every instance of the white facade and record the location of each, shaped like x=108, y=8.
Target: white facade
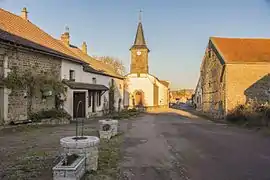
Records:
x=87, y=77
x=145, y=83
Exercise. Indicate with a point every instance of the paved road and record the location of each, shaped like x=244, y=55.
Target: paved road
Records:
x=168, y=146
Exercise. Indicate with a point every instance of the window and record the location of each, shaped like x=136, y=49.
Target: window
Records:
x=209, y=53
x=94, y=80
x=71, y=75
x=98, y=98
x=89, y=98
x=112, y=82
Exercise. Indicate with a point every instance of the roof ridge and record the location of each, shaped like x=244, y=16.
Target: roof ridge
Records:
x=251, y=38
x=244, y=50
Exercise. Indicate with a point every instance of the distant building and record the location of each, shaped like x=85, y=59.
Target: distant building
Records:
x=234, y=71
x=181, y=95
x=197, y=98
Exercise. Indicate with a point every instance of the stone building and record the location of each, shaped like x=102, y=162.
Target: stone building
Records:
x=24, y=46
x=234, y=71
x=144, y=89
x=197, y=97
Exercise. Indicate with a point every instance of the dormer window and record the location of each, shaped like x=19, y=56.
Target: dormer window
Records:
x=71, y=75
x=94, y=80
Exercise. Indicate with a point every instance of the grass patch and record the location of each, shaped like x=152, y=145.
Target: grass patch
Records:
x=125, y=114
x=109, y=156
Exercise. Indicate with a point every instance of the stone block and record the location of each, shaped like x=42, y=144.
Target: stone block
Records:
x=87, y=147
x=73, y=172
x=112, y=123
x=105, y=134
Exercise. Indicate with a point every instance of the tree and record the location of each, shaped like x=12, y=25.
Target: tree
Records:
x=115, y=63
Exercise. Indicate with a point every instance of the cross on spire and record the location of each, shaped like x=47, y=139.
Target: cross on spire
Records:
x=66, y=29
x=140, y=15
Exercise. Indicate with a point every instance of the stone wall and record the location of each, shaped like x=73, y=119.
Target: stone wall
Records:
x=212, y=83
x=246, y=82
x=139, y=63
x=224, y=86
x=24, y=60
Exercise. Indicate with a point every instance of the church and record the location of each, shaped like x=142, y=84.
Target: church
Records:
x=142, y=88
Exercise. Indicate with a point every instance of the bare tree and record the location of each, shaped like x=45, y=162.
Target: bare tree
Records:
x=115, y=63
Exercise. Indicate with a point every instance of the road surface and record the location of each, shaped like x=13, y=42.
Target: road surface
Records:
x=175, y=145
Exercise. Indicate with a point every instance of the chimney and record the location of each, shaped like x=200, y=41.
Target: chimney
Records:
x=24, y=14
x=65, y=37
x=84, y=48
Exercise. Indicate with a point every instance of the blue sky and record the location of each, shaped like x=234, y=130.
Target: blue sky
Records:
x=177, y=31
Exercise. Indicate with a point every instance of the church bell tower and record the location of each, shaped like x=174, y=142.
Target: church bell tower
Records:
x=139, y=52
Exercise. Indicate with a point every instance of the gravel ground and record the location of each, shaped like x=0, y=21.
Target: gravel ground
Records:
x=30, y=152
x=174, y=144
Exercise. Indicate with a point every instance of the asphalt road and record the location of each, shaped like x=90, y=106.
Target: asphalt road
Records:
x=169, y=146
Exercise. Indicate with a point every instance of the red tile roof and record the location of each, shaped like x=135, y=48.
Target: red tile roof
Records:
x=243, y=50
x=18, y=27
x=99, y=66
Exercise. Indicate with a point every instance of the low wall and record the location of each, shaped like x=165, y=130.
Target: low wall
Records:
x=53, y=121
x=154, y=108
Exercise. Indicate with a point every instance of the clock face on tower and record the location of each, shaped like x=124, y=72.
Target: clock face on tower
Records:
x=139, y=53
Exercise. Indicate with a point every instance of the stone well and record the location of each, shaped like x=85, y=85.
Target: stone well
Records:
x=88, y=146
x=112, y=123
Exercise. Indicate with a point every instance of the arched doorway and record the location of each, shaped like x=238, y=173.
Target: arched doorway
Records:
x=139, y=98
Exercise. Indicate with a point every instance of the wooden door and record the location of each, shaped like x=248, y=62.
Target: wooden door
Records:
x=155, y=95
x=93, y=101
x=78, y=104
x=139, y=98
x=1, y=105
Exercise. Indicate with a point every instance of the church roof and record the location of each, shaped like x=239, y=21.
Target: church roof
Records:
x=165, y=83
x=139, y=42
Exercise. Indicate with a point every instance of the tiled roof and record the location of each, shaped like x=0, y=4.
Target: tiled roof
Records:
x=79, y=85
x=17, y=26
x=10, y=38
x=97, y=65
x=165, y=83
x=238, y=50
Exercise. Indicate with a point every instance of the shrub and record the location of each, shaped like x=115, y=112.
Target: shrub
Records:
x=250, y=114
x=53, y=113
x=132, y=110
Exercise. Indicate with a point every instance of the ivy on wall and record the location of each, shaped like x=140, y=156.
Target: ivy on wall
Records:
x=34, y=82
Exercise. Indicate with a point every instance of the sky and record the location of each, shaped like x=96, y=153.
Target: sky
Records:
x=176, y=31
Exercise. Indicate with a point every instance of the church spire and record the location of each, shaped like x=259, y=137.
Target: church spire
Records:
x=139, y=41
